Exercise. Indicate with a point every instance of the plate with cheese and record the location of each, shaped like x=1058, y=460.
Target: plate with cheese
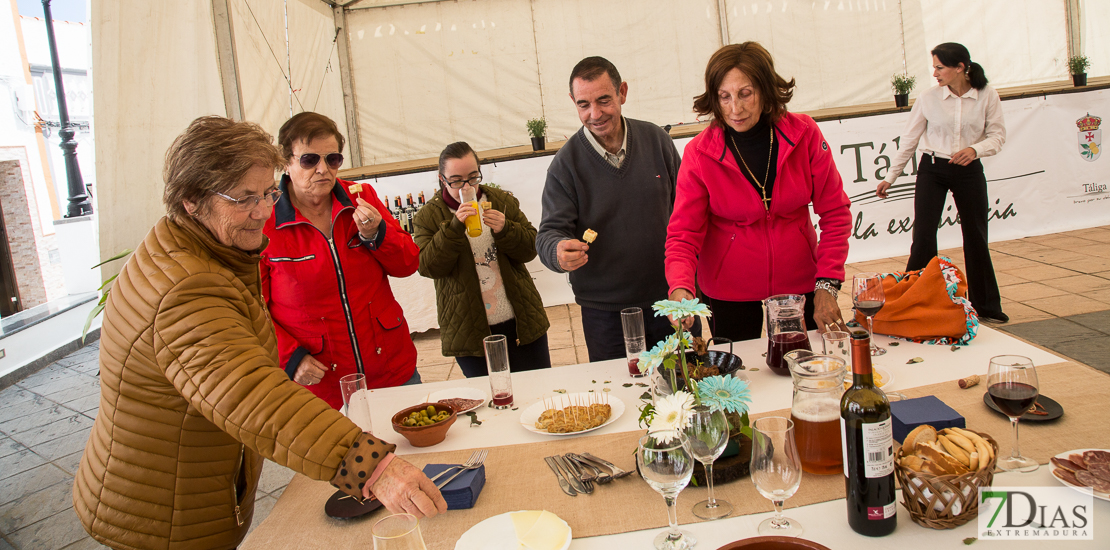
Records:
x=522, y=530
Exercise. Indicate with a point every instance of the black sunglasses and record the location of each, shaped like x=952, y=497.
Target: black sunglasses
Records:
x=311, y=160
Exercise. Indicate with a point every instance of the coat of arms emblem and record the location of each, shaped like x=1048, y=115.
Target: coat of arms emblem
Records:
x=1090, y=137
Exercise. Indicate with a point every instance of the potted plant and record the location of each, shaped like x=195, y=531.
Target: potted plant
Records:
x=537, y=130
x=695, y=387
x=902, y=84
x=1077, y=66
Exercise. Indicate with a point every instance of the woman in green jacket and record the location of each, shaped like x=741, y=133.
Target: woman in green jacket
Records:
x=482, y=284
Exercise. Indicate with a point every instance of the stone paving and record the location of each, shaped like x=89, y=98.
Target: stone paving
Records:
x=1055, y=288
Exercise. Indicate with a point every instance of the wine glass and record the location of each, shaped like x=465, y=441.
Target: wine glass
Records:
x=666, y=464
x=398, y=532
x=868, y=298
x=707, y=433
x=776, y=471
x=1012, y=386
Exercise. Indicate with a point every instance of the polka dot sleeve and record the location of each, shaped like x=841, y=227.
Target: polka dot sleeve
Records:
x=358, y=465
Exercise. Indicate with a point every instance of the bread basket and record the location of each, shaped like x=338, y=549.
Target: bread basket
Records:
x=943, y=502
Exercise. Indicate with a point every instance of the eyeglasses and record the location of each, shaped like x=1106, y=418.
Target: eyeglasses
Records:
x=459, y=183
x=250, y=202
x=311, y=160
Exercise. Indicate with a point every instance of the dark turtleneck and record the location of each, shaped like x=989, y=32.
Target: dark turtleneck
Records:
x=753, y=146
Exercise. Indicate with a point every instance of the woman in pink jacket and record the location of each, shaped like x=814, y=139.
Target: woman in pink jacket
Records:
x=741, y=218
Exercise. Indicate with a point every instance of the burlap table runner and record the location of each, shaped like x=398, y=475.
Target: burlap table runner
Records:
x=519, y=479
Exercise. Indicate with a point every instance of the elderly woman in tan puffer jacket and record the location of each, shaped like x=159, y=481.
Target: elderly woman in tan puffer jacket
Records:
x=192, y=397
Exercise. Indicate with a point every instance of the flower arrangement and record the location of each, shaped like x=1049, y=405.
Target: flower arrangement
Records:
x=1077, y=64
x=671, y=413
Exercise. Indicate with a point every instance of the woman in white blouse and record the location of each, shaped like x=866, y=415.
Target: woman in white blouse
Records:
x=954, y=125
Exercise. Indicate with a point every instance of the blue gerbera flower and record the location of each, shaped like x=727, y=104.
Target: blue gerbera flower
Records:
x=651, y=359
x=725, y=393
x=680, y=310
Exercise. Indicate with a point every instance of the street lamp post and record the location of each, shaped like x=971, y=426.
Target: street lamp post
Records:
x=79, y=203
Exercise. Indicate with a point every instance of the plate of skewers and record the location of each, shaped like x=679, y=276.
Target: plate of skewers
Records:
x=571, y=414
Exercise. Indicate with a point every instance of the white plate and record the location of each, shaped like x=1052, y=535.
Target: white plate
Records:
x=1080, y=488
x=888, y=378
x=531, y=414
x=495, y=533
x=462, y=393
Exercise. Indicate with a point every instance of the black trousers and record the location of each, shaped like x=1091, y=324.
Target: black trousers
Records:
x=936, y=177
x=527, y=357
x=744, y=320
x=604, y=332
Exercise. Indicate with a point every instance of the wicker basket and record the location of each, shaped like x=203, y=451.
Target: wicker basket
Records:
x=946, y=490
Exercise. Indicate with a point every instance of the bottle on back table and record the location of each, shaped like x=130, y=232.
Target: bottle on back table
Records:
x=868, y=447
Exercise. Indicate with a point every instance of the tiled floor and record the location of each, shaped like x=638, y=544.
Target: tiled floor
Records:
x=1055, y=288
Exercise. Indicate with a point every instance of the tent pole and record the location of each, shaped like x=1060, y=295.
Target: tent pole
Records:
x=722, y=16
x=1075, y=33
x=227, y=60
x=353, y=136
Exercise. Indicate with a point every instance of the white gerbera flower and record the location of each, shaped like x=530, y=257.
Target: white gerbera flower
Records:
x=671, y=415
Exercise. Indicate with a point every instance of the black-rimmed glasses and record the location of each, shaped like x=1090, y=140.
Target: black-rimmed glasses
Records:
x=473, y=181
x=310, y=160
x=250, y=202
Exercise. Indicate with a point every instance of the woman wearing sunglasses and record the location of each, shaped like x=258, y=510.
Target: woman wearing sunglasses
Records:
x=482, y=283
x=324, y=274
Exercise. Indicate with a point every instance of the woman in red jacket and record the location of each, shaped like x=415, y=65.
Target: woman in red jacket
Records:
x=324, y=271
x=741, y=218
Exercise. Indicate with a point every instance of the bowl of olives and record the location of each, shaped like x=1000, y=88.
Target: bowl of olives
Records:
x=424, y=425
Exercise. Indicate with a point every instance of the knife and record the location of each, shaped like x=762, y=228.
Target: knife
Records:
x=617, y=472
x=562, y=481
x=572, y=476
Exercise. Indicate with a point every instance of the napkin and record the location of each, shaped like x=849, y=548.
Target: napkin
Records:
x=911, y=413
x=463, y=491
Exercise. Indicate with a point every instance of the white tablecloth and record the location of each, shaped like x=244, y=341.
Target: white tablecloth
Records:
x=824, y=522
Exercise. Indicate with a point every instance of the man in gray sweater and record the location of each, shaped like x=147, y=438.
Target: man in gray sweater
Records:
x=617, y=177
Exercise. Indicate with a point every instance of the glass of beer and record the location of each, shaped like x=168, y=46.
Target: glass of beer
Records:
x=816, y=413
x=469, y=194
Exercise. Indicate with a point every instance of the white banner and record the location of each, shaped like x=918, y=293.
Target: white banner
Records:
x=1047, y=179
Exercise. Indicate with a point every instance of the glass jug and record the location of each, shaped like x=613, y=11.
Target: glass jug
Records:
x=815, y=410
x=786, y=329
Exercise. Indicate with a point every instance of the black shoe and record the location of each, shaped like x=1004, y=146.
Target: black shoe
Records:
x=998, y=317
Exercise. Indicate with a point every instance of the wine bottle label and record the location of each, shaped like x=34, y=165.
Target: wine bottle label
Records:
x=878, y=448
x=881, y=512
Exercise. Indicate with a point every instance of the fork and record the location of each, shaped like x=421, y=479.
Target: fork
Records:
x=473, y=457
x=476, y=460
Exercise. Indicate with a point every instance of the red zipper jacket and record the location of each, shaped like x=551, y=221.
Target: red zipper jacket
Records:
x=331, y=299
x=741, y=252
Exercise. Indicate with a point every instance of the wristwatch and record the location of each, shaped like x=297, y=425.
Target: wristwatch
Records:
x=832, y=286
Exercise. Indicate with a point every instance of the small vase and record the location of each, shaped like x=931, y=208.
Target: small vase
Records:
x=538, y=143
x=1079, y=79
x=902, y=100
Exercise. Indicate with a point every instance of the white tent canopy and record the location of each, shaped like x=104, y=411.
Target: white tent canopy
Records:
x=404, y=78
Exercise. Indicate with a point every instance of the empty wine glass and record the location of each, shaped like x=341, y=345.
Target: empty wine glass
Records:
x=707, y=434
x=398, y=532
x=666, y=464
x=868, y=298
x=1012, y=386
x=776, y=471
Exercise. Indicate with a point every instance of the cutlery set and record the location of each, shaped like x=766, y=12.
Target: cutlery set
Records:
x=474, y=462
x=577, y=473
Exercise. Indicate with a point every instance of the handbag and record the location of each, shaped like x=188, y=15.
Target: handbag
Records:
x=929, y=305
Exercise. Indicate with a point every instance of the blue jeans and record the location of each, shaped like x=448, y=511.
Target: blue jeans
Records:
x=415, y=380
x=526, y=357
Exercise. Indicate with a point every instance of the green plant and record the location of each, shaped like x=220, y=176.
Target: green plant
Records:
x=902, y=83
x=1077, y=64
x=537, y=127
x=104, y=288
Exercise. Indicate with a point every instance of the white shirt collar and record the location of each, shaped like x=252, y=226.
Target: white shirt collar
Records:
x=970, y=93
x=614, y=159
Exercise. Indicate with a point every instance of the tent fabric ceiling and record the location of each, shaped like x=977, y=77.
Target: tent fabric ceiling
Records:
x=427, y=74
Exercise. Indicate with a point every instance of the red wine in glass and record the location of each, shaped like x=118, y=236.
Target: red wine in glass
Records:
x=1013, y=398
x=634, y=367
x=781, y=343
x=502, y=399
x=869, y=308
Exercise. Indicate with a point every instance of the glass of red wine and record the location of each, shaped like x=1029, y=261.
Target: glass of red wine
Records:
x=868, y=298
x=1012, y=386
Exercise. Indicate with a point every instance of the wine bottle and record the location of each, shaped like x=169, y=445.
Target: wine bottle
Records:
x=868, y=447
